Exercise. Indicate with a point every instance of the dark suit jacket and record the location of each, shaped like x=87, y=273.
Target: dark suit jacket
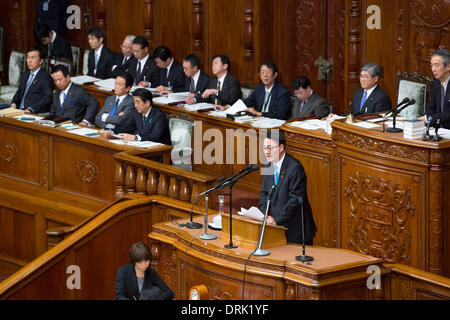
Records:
x=60, y=48
x=279, y=101
x=150, y=71
x=230, y=93
x=124, y=122
x=104, y=65
x=176, y=77
x=285, y=206
x=156, y=127
x=314, y=106
x=78, y=106
x=377, y=101
x=202, y=83
x=127, y=287
x=118, y=60
x=39, y=95
x=434, y=107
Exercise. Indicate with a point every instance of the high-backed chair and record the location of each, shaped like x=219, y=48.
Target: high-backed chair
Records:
x=85, y=61
x=65, y=62
x=180, y=126
x=17, y=65
x=76, y=51
x=414, y=86
x=246, y=92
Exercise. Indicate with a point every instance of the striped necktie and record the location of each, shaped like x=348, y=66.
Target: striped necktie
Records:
x=30, y=81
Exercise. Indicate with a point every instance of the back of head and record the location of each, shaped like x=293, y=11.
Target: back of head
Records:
x=301, y=82
x=144, y=95
x=162, y=52
x=193, y=60
x=139, y=252
x=42, y=30
x=97, y=32
x=141, y=41
x=128, y=79
x=62, y=68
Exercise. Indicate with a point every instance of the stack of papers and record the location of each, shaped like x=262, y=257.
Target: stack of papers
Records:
x=86, y=132
x=106, y=85
x=366, y=125
x=444, y=133
x=28, y=118
x=398, y=124
x=312, y=124
x=69, y=126
x=267, y=123
x=252, y=213
x=11, y=112
x=413, y=129
x=138, y=144
x=80, y=80
x=198, y=106
x=152, y=90
x=238, y=106
x=178, y=96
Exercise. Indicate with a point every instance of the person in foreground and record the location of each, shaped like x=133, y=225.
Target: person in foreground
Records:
x=150, y=123
x=288, y=176
x=137, y=281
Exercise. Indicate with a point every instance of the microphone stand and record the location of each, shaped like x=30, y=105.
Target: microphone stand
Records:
x=436, y=136
x=207, y=236
x=261, y=252
x=303, y=257
x=394, y=129
x=191, y=224
x=230, y=245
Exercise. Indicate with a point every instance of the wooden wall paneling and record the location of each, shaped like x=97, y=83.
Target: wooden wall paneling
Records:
x=88, y=20
x=198, y=32
x=100, y=15
x=148, y=23
x=447, y=215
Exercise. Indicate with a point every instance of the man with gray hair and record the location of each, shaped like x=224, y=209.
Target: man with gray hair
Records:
x=122, y=61
x=439, y=106
x=370, y=98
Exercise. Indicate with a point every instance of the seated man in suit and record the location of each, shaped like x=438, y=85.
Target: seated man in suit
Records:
x=70, y=100
x=269, y=99
x=36, y=85
x=196, y=80
x=172, y=77
x=439, y=106
x=287, y=175
x=53, y=44
x=138, y=281
x=150, y=123
x=224, y=89
x=100, y=60
x=123, y=60
x=306, y=102
x=118, y=110
x=143, y=69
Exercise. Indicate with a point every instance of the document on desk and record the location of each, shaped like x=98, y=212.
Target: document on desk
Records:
x=106, y=85
x=235, y=108
x=198, y=106
x=80, y=80
x=85, y=132
x=311, y=124
x=178, y=96
x=28, y=118
x=267, y=123
x=444, y=133
x=252, y=213
x=398, y=124
x=366, y=125
x=152, y=90
x=137, y=144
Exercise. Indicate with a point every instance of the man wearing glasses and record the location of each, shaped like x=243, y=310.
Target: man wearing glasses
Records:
x=288, y=176
x=123, y=60
x=370, y=98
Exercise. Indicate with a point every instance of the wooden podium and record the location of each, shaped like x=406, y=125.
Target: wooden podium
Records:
x=246, y=232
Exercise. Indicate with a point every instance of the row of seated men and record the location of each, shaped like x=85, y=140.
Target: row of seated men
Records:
x=270, y=98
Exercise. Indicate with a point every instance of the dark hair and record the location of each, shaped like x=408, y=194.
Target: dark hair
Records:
x=128, y=78
x=42, y=30
x=276, y=134
x=301, y=82
x=97, y=32
x=141, y=41
x=144, y=94
x=224, y=59
x=444, y=54
x=42, y=52
x=270, y=65
x=373, y=69
x=193, y=60
x=139, y=252
x=162, y=52
x=60, y=67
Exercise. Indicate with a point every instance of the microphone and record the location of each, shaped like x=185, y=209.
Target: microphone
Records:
x=271, y=191
x=389, y=113
x=410, y=103
x=219, y=182
x=251, y=168
x=234, y=176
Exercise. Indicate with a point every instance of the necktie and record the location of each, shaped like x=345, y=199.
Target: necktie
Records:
x=124, y=61
x=30, y=81
x=275, y=173
x=143, y=121
x=50, y=47
x=113, y=110
x=64, y=99
x=192, y=88
x=363, y=100
x=138, y=73
x=266, y=101
x=218, y=90
x=97, y=57
x=442, y=98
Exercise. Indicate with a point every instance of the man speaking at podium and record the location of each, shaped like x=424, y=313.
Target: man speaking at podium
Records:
x=289, y=178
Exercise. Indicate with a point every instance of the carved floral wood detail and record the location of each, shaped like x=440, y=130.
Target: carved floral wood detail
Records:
x=305, y=22
x=8, y=151
x=379, y=218
x=87, y=171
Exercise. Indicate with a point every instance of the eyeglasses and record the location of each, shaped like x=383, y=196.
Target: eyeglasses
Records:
x=365, y=76
x=270, y=148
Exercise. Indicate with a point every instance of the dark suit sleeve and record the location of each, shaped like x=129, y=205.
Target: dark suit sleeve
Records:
x=120, y=285
x=280, y=110
x=180, y=80
x=91, y=64
x=44, y=100
x=17, y=99
x=232, y=94
x=159, y=124
x=91, y=106
x=54, y=104
x=322, y=109
x=250, y=101
x=67, y=51
x=165, y=292
x=384, y=103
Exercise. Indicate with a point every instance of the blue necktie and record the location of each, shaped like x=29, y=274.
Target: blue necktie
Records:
x=30, y=80
x=64, y=99
x=275, y=174
x=363, y=100
x=113, y=110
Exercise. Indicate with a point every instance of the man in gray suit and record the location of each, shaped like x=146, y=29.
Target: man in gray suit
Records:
x=306, y=102
x=117, y=112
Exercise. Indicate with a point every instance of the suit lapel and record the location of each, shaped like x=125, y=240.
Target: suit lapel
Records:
x=69, y=97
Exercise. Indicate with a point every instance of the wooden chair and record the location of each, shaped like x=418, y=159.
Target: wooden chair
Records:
x=414, y=86
x=180, y=126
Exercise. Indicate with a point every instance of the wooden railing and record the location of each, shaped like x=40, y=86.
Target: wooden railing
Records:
x=144, y=177
x=95, y=250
